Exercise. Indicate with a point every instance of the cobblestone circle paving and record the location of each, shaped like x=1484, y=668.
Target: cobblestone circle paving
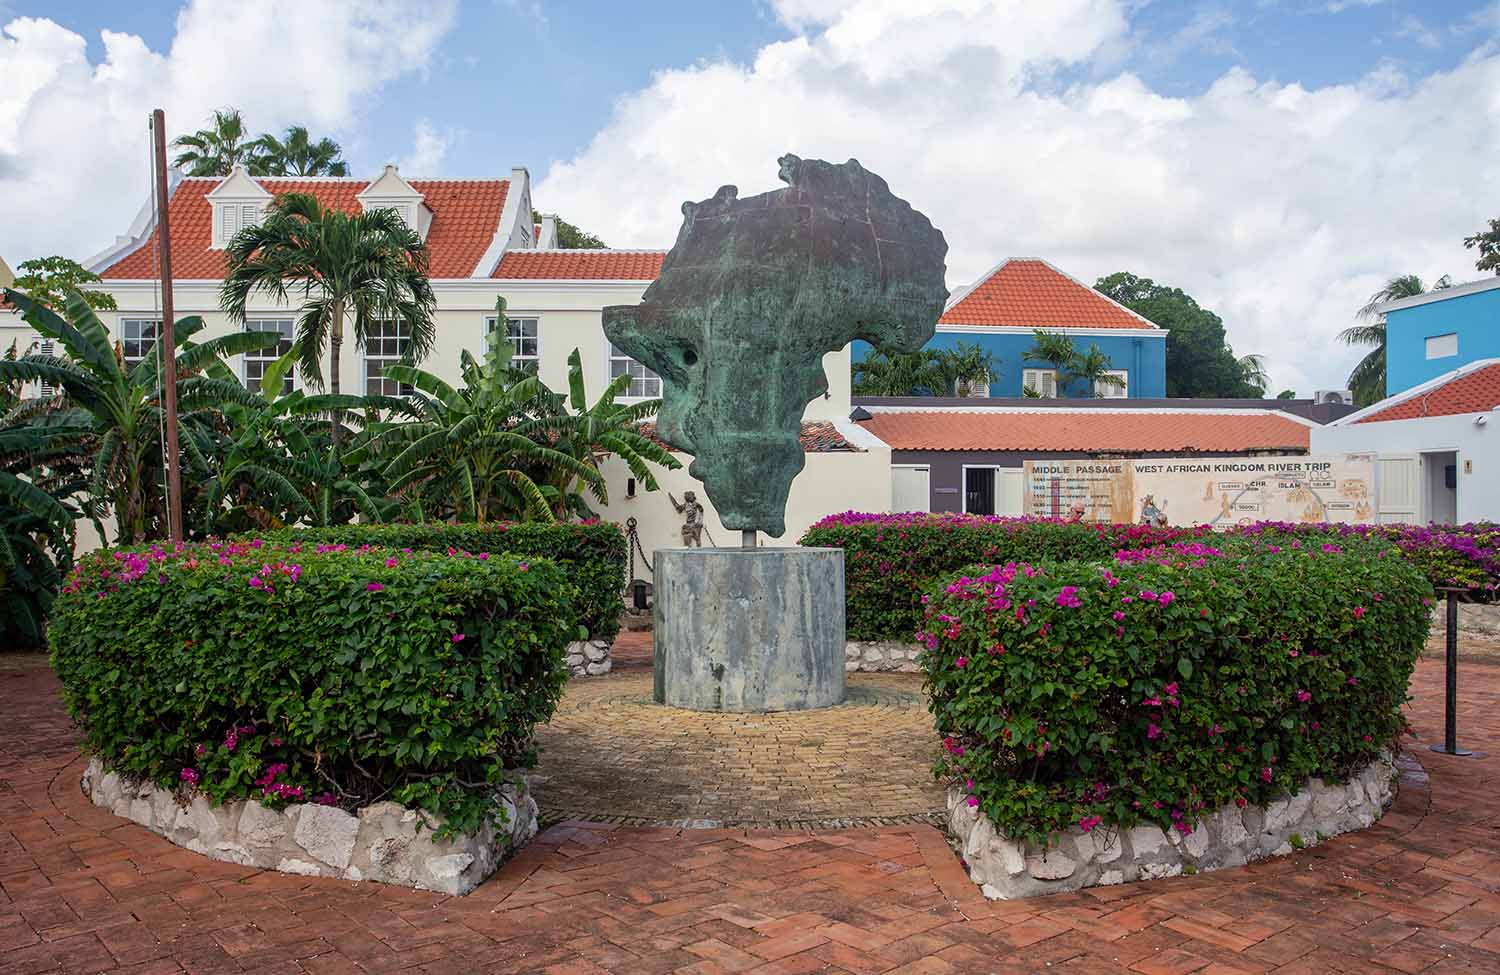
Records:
x=612, y=755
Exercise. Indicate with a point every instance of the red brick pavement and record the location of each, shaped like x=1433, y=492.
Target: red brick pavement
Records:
x=82, y=891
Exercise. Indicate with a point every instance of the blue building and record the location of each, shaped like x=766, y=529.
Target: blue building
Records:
x=1003, y=310
x=1435, y=333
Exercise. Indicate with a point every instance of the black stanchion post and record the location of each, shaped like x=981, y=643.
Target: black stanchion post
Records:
x=1450, y=712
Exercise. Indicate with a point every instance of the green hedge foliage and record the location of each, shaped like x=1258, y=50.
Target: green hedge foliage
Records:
x=1168, y=682
x=593, y=553
x=283, y=673
x=889, y=560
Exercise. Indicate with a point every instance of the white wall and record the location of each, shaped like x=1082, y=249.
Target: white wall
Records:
x=1477, y=448
x=830, y=483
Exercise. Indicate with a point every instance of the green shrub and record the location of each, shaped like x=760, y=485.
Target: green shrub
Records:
x=890, y=559
x=289, y=674
x=1169, y=683
x=593, y=553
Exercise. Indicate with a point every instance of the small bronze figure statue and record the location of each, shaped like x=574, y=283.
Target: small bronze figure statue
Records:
x=692, y=527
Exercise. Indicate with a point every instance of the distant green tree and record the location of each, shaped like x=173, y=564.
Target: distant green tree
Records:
x=1253, y=372
x=1093, y=369
x=47, y=279
x=1055, y=349
x=964, y=368
x=1200, y=362
x=571, y=237
x=1488, y=244
x=882, y=373
x=216, y=150
x=295, y=154
x=1287, y=394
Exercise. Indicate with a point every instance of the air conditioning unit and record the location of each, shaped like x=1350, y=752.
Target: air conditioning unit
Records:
x=1334, y=397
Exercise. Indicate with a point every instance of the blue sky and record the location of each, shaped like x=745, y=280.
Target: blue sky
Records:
x=1277, y=159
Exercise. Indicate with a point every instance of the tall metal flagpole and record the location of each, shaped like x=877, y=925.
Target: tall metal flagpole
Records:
x=167, y=339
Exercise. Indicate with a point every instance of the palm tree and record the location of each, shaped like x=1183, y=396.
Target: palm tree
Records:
x=900, y=374
x=589, y=433
x=122, y=407
x=216, y=150
x=297, y=155
x=1092, y=368
x=371, y=265
x=1253, y=372
x=965, y=368
x=1055, y=349
x=1367, y=381
x=467, y=453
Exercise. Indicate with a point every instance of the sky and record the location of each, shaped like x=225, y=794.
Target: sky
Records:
x=1276, y=159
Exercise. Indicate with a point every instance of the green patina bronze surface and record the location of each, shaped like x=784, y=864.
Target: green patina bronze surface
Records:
x=752, y=295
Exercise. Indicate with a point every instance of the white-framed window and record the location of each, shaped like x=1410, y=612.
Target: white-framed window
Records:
x=137, y=338
x=1108, y=390
x=644, y=384
x=234, y=217
x=1442, y=346
x=1043, y=381
x=257, y=360
x=47, y=347
x=525, y=340
x=994, y=490
x=386, y=344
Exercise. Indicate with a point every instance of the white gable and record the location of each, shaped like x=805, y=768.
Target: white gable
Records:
x=392, y=192
x=238, y=202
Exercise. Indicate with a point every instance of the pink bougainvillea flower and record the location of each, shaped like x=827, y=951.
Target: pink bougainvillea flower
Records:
x=969, y=785
x=256, y=582
x=961, y=662
x=189, y=775
x=374, y=587
x=1303, y=696
x=1171, y=689
x=1119, y=615
x=1087, y=823
x=1153, y=731
x=1266, y=774
x=1359, y=612
x=973, y=801
x=390, y=563
x=1166, y=598
x=458, y=638
x=523, y=566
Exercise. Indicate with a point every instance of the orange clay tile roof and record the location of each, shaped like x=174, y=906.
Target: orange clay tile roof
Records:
x=580, y=265
x=1475, y=392
x=1092, y=431
x=817, y=438
x=465, y=215
x=1033, y=294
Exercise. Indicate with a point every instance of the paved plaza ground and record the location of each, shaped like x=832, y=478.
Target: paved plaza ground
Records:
x=83, y=891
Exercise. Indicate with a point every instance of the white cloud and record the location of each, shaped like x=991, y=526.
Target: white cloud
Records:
x=1339, y=6
x=1413, y=29
x=1280, y=207
x=429, y=147
x=73, y=136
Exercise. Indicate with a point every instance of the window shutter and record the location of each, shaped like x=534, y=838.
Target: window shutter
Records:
x=1044, y=381
x=249, y=215
x=47, y=388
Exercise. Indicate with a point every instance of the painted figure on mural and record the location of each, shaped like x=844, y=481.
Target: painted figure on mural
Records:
x=692, y=525
x=1151, y=514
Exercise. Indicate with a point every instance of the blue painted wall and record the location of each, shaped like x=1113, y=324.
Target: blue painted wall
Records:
x=1475, y=318
x=1143, y=357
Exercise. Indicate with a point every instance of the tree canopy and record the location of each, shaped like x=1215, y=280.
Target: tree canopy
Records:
x=47, y=279
x=1200, y=363
x=1487, y=242
x=571, y=236
x=216, y=150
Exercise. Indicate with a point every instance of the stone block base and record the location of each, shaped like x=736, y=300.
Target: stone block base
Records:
x=1006, y=869
x=746, y=630
x=589, y=658
x=384, y=842
x=873, y=656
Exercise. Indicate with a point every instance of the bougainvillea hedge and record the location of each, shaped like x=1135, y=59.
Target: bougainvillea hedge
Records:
x=1164, y=684
x=315, y=673
x=890, y=559
x=593, y=554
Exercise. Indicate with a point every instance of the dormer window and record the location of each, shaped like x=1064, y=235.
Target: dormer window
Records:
x=392, y=192
x=238, y=202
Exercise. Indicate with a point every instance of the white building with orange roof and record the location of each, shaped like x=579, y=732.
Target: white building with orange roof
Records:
x=483, y=243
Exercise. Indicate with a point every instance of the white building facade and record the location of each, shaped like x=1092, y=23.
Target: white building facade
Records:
x=483, y=244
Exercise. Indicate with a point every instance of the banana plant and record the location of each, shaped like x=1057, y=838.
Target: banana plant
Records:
x=123, y=406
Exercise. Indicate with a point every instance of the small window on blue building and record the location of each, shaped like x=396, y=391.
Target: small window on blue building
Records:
x=1442, y=346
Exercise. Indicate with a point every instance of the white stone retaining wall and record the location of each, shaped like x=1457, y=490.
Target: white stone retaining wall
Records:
x=385, y=842
x=1474, y=620
x=881, y=655
x=1232, y=836
x=589, y=658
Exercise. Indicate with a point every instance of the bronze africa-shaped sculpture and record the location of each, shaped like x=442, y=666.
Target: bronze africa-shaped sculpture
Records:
x=751, y=296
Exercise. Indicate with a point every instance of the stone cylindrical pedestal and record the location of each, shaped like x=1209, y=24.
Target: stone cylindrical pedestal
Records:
x=757, y=629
